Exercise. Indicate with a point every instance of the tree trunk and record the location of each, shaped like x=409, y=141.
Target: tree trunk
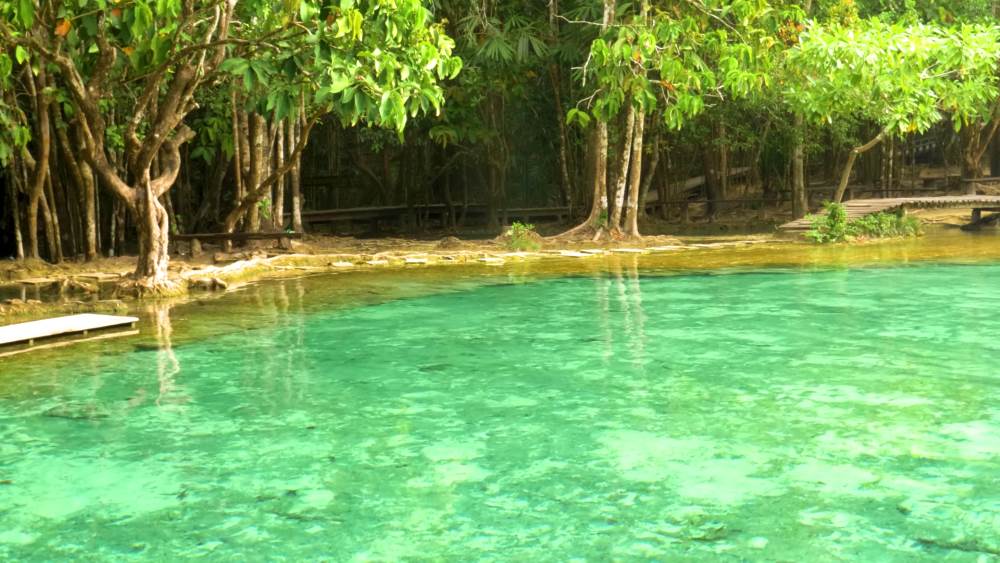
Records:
x=263, y=187
x=83, y=178
x=208, y=211
x=294, y=130
x=40, y=174
x=972, y=156
x=566, y=184
x=615, y=224
x=16, y=216
x=154, y=229
x=711, y=164
x=663, y=189
x=723, y=147
x=756, y=179
x=278, y=209
x=599, y=204
x=258, y=130
x=50, y=213
x=635, y=177
x=651, y=172
x=89, y=197
x=800, y=200
x=845, y=176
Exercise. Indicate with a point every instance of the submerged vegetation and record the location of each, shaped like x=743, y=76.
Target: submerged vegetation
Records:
x=834, y=226
x=123, y=124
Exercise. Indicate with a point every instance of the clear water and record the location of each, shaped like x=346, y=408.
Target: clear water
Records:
x=787, y=415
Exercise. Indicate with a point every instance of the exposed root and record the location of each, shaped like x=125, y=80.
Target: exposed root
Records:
x=150, y=288
x=208, y=284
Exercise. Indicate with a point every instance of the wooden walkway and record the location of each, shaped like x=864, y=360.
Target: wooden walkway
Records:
x=857, y=208
x=59, y=326
x=436, y=211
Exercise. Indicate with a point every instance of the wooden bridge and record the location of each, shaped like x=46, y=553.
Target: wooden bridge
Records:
x=857, y=208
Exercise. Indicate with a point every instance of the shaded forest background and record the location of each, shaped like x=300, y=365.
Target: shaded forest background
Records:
x=518, y=125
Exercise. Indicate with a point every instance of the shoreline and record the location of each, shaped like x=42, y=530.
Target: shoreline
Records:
x=84, y=287
x=34, y=289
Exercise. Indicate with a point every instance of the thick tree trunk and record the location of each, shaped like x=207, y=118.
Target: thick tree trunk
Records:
x=615, y=224
x=845, y=176
x=635, y=177
x=154, y=230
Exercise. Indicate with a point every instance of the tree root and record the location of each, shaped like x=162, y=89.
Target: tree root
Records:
x=149, y=288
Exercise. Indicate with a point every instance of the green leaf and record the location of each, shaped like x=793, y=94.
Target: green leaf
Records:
x=307, y=11
x=339, y=83
x=235, y=65
x=143, y=19
x=26, y=12
x=20, y=54
x=5, y=66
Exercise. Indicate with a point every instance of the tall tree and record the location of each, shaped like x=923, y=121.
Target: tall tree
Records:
x=376, y=61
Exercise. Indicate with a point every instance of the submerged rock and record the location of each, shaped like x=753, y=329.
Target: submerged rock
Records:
x=78, y=411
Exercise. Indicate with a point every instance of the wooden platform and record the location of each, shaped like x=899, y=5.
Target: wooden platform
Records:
x=435, y=211
x=60, y=326
x=857, y=208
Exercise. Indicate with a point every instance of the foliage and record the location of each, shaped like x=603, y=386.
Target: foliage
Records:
x=831, y=227
x=683, y=59
x=884, y=225
x=522, y=236
x=835, y=227
x=903, y=77
x=264, y=208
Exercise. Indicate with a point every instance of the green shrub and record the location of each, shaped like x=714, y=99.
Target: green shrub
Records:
x=831, y=227
x=522, y=236
x=834, y=226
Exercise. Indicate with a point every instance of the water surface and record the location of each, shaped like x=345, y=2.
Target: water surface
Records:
x=607, y=413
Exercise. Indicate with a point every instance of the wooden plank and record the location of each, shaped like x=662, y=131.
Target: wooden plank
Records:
x=38, y=281
x=860, y=207
x=236, y=236
x=72, y=324
x=69, y=342
x=98, y=276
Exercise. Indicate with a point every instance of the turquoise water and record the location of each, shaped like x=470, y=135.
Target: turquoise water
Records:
x=773, y=415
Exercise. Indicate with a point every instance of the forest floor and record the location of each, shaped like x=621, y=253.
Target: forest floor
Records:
x=34, y=288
